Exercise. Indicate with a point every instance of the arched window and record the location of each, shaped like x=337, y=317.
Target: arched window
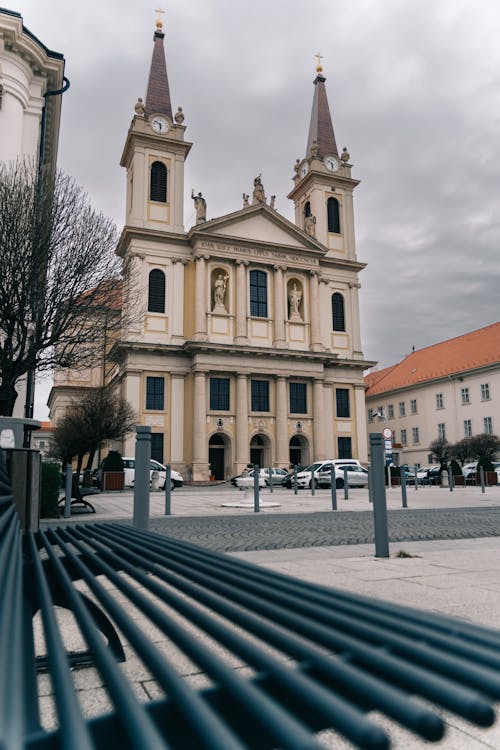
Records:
x=258, y=294
x=156, y=291
x=338, y=316
x=158, y=187
x=307, y=209
x=332, y=207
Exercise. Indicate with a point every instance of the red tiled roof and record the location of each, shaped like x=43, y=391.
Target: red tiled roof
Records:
x=46, y=426
x=461, y=354
x=108, y=294
x=321, y=128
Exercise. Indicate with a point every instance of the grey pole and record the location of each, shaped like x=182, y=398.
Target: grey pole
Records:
x=370, y=484
x=67, y=490
x=295, y=488
x=313, y=484
x=142, y=473
x=379, y=500
x=416, y=482
x=333, y=485
x=346, y=484
x=481, y=476
x=404, y=499
x=168, y=489
x=270, y=479
x=451, y=482
x=256, y=478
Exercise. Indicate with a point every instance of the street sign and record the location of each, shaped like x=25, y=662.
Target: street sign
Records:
x=387, y=433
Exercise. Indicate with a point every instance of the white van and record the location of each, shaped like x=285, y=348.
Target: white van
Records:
x=176, y=479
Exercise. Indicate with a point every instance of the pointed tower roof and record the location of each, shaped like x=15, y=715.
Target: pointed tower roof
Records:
x=158, y=93
x=321, y=128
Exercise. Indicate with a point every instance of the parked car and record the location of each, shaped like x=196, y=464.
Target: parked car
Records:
x=468, y=469
x=277, y=475
x=304, y=477
x=357, y=476
x=245, y=481
x=176, y=479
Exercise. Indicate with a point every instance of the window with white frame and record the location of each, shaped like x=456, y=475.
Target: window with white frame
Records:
x=465, y=395
x=413, y=405
x=442, y=431
x=439, y=401
x=488, y=425
x=403, y=437
x=415, y=433
x=485, y=391
x=467, y=427
x=390, y=411
x=402, y=409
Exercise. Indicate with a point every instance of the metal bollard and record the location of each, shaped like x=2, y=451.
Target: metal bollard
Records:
x=141, y=481
x=346, y=484
x=379, y=500
x=256, y=488
x=67, y=491
x=370, y=484
x=481, y=476
x=333, y=486
x=416, y=481
x=168, y=489
x=404, y=499
x=451, y=480
x=295, y=487
x=270, y=475
x=313, y=484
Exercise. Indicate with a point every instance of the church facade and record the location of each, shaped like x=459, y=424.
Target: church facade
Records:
x=244, y=344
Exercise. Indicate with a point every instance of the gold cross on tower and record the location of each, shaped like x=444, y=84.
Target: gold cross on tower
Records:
x=319, y=67
x=159, y=22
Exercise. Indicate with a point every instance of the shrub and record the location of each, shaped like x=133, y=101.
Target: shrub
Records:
x=485, y=463
x=113, y=462
x=456, y=469
x=50, y=480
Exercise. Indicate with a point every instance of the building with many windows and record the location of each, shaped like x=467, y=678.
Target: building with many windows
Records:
x=244, y=344
x=449, y=390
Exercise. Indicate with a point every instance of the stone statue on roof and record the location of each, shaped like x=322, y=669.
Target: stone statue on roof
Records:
x=259, y=195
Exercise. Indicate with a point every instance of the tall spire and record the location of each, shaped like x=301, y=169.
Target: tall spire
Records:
x=321, y=128
x=158, y=93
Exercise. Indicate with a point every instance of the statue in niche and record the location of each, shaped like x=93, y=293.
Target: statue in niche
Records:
x=294, y=300
x=200, y=205
x=259, y=195
x=310, y=225
x=220, y=293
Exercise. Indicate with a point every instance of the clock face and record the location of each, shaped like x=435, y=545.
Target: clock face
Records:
x=159, y=124
x=331, y=163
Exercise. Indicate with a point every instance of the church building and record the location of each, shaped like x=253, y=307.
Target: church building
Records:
x=244, y=342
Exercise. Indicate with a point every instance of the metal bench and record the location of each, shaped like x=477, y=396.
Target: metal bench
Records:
x=282, y=659
x=78, y=495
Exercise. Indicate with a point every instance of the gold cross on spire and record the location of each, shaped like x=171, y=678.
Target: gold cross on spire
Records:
x=319, y=67
x=159, y=22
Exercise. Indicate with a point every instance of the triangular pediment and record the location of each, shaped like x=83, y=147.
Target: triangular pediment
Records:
x=260, y=224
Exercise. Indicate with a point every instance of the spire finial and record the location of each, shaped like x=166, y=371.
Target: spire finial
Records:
x=319, y=67
x=159, y=22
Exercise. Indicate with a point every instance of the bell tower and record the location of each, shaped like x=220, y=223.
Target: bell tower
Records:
x=155, y=152
x=323, y=186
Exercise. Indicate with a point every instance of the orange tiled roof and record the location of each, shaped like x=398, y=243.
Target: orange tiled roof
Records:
x=46, y=426
x=463, y=353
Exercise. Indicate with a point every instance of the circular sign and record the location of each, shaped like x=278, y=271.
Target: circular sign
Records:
x=387, y=433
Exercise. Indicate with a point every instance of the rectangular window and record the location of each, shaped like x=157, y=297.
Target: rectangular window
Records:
x=439, y=401
x=342, y=398
x=258, y=294
x=345, y=447
x=413, y=405
x=298, y=398
x=370, y=415
x=403, y=437
x=219, y=394
x=402, y=409
x=395, y=459
x=442, y=431
x=380, y=412
x=467, y=428
x=485, y=392
x=390, y=411
x=157, y=446
x=260, y=395
x=415, y=433
x=488, y=425
x=465, y=395
x=155, y=393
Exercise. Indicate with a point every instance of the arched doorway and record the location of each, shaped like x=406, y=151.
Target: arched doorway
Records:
x=299, y=451
x=260, y=451
x=217, y=455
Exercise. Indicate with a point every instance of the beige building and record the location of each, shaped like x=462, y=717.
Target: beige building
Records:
x=450, y=390
x=245, y=345
x=31, y=80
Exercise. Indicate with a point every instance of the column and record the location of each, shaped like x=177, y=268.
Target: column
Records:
x=360, y=423
x=279, y=308
x=316, y=344
x=241, y=302
x=200, y=311
x=177, y=419
x=242, y=443
x=328, y=420
x=176, y=309
x=318, y=424
x=200, y=447
x=354, y=325
x=281, y=429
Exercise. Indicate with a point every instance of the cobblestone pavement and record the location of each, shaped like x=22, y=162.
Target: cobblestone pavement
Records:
x=261, y=532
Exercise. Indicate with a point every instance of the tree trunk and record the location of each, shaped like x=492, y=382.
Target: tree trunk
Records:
x=8, y=396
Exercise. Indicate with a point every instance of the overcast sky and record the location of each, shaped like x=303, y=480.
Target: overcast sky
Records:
x=414, y=90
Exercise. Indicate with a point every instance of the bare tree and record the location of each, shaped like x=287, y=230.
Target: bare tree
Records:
x=440, y=449
x=484, y=446
x=100, y=415
x=461, y=450
x=59, y=277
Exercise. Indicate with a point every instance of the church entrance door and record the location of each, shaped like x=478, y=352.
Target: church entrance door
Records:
x=216, y=456
x=299, y=451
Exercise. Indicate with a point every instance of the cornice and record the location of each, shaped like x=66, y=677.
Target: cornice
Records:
x=130, y=233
